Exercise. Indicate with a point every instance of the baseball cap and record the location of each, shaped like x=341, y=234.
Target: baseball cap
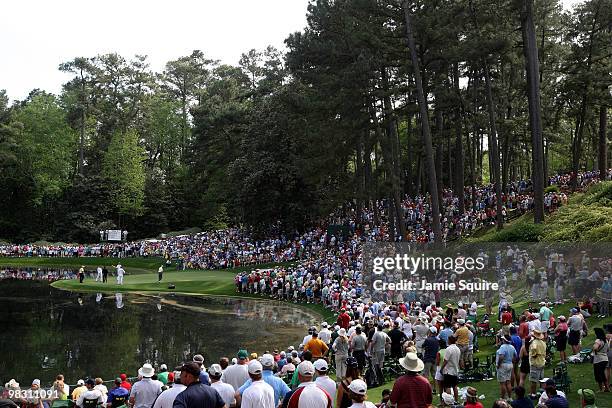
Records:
x=80, y=382
x=255, y=367
x=587, y=395
x=191, y=368
x=548, y=381
x=320, y=365
x=198, y=358
x=306, y=368
x=243, y=354
x=215, y=370
x=359, y=387
x=170, y=377
x=433, y=329
x=36, y=382
x=267, y=360
x=123, y=377
x=90, y=382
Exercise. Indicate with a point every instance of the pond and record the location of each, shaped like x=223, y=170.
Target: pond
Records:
x=49, y=331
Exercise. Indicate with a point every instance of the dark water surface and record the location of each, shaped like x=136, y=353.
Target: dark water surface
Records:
x=46, y=331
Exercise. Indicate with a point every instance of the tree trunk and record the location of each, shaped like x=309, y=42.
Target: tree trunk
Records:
x=431, y=168
x=82, y=135
x=602, y=151
x=493, y=152
x=459, y=159
x=532, y=67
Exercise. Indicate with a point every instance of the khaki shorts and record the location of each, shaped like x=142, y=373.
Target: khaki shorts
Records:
x=536, y=373
x=504, y=373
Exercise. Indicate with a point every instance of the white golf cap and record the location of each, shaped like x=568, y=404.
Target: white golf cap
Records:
x=255, y=367
x=80, y=382
x=215, y=370
x=359, y=387
x=321, y=365
x=306, y=368
x=267, y=360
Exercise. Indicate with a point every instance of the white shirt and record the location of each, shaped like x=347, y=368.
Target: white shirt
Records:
x=90, y=394
x=226, y=391
x=544, y=397
x=235, y=375
x=452, y=356
x=328, y=385
x=312, y=396
x=166, y=398
x=258, y=395
x=103, y=390
x=364, y=404
x=325, y=336
x=145, y=392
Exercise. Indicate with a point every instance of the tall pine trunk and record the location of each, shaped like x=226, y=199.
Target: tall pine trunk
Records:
x=532, y=66
x=493, y=151
x=429, y=157
x=602, y=160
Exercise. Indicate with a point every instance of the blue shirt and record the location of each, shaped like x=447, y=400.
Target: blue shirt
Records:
x=557, y=401
x=507, y=352
x=198, y=395
x=279, y=386
x=116, y=394
x=204, y=378
x=445, y=333
x=517, y=343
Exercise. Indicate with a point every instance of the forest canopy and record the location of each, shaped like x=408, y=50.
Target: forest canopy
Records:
x=374, y=99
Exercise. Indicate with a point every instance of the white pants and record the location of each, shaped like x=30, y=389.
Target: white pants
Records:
x=119, y=280
x=99, y=277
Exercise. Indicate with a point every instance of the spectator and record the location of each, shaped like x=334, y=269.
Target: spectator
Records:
x=145, y=391
x=431, y=346
x=601, y=347
x=411, y=390
x=450, y=367
x=196, y=394
x=521, y=401
x=226, y=391
x=91, y=397
x=323, y=380
x=537, y=359
x=587, y=398
x=125, y=383
x=358, y=392
x=505, y=358
x=259, y=394
x=343, y=399
x=199, y=360
x=471, y=398
x=278, y=385
x=308, y=393
x=167, y=397
x=80, y=388
x=341, y=352
x=118, y=396
x=237, y=374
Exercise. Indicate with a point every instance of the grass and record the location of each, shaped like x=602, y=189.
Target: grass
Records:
x=133, y=265
x=587, y=217
x=580, y=374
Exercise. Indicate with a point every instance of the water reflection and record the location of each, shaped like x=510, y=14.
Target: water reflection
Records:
x=99, y=334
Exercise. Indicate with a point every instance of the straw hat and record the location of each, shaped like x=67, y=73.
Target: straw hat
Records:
x=411, y=362
x=537, y=334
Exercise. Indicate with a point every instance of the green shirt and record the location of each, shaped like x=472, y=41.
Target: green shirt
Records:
x=163, y=377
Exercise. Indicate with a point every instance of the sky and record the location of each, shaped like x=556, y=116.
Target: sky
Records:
x=37, y=35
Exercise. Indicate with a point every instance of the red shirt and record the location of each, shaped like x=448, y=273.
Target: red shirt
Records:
x=523, y=330
x=344, y=320
x=506, y=318
x=473, y=405
x=126, y=385
x=411, y=391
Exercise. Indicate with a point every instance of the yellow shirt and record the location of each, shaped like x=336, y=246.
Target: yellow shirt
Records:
x=463, y=336
x=537, y=353
x=78, y=391
x=316, y=347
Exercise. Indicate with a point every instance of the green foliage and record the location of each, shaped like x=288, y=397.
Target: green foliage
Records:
x=47, y=146
x=123, y=167
x=551, y=189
